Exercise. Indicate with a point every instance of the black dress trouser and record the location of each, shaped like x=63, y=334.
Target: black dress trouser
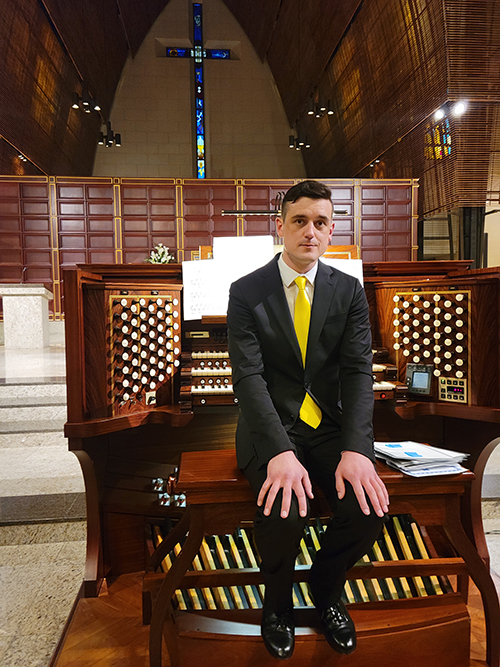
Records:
x=349, y=534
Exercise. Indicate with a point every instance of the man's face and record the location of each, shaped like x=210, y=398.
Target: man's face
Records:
x=306, y=232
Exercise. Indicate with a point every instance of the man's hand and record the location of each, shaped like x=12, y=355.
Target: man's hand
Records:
x=357, y=469
x=284, y=471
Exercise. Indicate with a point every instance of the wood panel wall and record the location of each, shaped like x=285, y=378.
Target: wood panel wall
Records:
x=50, y=223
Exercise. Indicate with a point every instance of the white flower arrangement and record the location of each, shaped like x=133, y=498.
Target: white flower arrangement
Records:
x=160, y=255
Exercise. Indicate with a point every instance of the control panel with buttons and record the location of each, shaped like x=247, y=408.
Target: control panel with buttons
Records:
x=452, y=389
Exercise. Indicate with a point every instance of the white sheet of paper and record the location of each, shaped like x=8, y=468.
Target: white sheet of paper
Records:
x=243, y=254
x=207, y=282
x=353, y=267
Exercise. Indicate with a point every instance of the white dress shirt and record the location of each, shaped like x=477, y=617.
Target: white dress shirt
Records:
x=288, y=276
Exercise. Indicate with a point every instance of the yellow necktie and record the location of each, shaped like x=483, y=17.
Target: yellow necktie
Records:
x=310, y=413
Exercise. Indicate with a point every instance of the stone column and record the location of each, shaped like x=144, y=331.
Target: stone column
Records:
x=25, y=315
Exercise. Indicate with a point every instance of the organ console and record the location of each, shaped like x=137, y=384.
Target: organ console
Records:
x=145, y=387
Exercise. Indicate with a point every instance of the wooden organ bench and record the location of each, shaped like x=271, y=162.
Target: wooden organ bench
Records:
x=432, y=629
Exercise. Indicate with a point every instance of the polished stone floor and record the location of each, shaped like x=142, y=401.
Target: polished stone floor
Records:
x=42, y=555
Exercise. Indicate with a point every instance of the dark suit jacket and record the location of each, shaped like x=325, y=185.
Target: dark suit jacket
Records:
x=268, y=377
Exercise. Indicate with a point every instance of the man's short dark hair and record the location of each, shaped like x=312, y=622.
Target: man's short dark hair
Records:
x=310, y=189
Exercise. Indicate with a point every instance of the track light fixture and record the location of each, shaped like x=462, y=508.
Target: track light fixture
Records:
x=22, y=158
x=110, y=138
x=85, y=102
x=319, y=109
x=298, y=143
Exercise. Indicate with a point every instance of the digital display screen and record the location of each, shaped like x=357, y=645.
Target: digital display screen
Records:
x=420, y=380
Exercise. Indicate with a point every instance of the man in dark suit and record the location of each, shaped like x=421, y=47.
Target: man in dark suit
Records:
x=300, y=349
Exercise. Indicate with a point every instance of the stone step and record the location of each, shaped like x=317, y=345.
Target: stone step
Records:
x=33, y=411
x=26, y=388
x=14, y=402
x=41, y=484
x=33, y=427
x=41, y=439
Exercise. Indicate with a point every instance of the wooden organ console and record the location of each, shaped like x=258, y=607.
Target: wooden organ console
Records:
x=145, y=387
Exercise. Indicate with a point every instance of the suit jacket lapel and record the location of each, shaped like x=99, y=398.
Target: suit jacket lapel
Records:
x=279, y=310
x=324, y=290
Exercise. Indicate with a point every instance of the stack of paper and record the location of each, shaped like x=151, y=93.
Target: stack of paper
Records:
x=419, y=460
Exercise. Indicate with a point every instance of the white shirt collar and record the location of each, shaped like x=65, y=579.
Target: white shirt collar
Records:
x=288, y=274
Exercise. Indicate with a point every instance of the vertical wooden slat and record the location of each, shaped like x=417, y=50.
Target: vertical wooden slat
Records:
x=54, y=238
x=179, y=220
x=117, y=206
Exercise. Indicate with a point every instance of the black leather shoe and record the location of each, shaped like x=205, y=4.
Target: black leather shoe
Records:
x=338, y=628
x=278, y=633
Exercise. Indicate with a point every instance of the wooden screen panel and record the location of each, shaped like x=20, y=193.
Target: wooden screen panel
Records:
x=11, y=244
x=386, y=221
x=202, y=203
x=85, y=222
x=343, y=199
x=148, y=218
x=263, y=195
x=37, y=241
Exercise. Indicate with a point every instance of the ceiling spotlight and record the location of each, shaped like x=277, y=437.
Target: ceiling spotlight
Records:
x=459, y=108
x=439, y=114
x=307, y=144
x=97, y=106
x=108, y=138
x=76, y=101
x=291, y=141
x=310, y=107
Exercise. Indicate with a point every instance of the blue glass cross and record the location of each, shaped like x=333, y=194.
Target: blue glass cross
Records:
x=199, y=54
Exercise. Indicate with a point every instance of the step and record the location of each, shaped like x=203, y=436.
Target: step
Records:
x=40, y=439
x=40, y=479
x=20, y=388
x=36, y=412
x=35, y=426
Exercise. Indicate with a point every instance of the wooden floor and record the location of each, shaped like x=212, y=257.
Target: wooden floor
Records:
x=107, y=631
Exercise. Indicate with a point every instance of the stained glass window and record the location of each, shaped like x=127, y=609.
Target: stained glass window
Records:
x=199, y=54
x=438, y=140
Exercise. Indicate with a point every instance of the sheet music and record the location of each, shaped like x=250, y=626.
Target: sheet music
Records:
x=207, y=282
x=353, y=267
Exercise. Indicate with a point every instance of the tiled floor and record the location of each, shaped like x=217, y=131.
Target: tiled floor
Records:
x=41, y=569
